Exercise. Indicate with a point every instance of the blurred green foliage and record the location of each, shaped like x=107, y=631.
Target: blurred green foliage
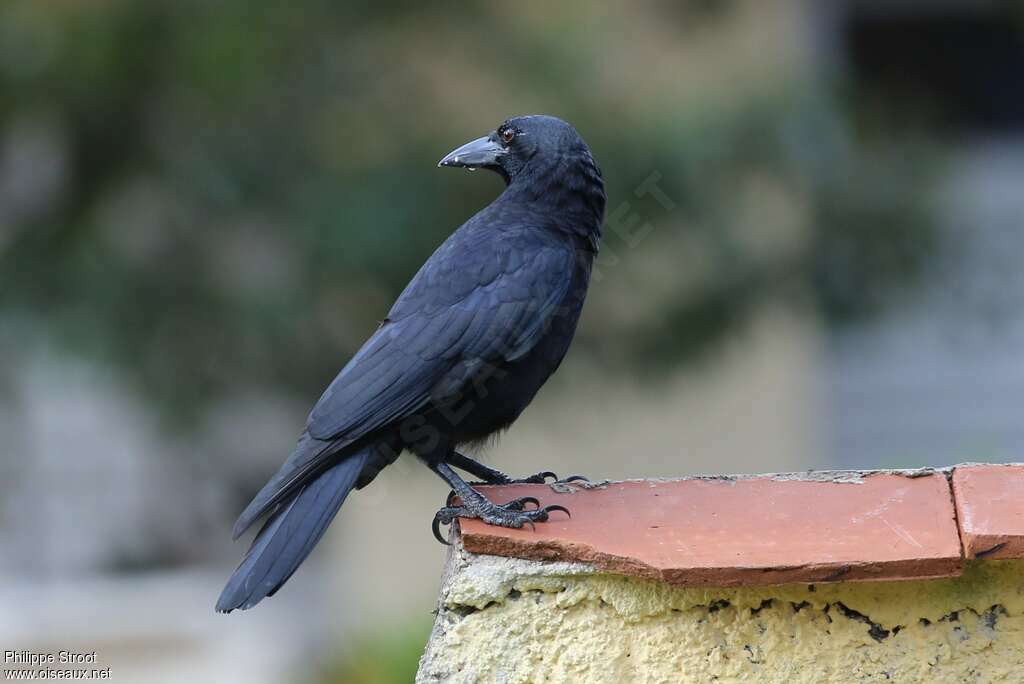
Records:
x=214, y=197
x=388, y=656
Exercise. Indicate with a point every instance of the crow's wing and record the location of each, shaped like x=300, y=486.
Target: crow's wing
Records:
x=477, y=300
x=480, y=298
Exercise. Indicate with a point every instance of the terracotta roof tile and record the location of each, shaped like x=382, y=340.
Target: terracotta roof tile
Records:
x=744, y=531
x=990, y=508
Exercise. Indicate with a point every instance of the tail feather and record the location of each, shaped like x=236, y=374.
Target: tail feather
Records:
x=289, y=535
x=308, y=455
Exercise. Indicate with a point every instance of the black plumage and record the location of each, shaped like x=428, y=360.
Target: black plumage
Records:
x=462, y=352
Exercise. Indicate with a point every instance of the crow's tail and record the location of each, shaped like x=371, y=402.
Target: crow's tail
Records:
x=290, y=534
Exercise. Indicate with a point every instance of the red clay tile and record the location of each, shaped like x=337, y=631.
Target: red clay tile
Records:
x=746, y=531
x=990, y=508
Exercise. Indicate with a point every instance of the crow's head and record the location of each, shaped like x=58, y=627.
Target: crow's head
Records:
x=524, y=148
x=546, y=166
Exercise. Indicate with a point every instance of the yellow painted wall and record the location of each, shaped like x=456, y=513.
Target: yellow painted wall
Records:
x=508, y=620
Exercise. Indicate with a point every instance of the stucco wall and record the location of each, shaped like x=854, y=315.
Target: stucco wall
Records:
x=510, y=620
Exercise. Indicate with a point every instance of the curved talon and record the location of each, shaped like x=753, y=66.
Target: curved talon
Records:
x=436, y=527
x=537, y=478
x=575, y=478
x=555, y=507
x=511, y=514
x=520, y=503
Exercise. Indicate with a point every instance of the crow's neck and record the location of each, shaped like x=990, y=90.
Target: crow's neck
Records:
x=569, y=195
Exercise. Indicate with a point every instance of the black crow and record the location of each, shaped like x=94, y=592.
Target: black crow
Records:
x=480, y=328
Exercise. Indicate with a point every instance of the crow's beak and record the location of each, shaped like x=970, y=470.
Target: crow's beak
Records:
x=481, y=152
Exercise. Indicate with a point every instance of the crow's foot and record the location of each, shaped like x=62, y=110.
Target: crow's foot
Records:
x=472, y=503
x=539, y=478
x=542, y=478
x=491, y=476
x=512, y=514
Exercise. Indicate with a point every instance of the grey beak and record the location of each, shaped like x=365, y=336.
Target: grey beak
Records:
x=481, y=152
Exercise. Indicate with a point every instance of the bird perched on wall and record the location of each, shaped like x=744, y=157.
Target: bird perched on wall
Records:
x=464, y=349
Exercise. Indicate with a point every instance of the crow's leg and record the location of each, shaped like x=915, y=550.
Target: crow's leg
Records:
x=476, y=469
x=489, y=475
x=474, y=505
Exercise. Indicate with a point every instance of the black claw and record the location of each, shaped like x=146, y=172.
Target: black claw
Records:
x=538, y=478
x=511, y=514
x=436, y=527
x=556, y=507
x=520, y=503
x=575, y=478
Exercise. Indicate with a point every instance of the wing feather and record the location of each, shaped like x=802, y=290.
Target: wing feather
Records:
x=446, y=315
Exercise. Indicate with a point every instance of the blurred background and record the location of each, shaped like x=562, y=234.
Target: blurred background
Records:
x=206, y=207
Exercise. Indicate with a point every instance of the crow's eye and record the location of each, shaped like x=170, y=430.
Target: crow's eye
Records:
x=507, y=134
